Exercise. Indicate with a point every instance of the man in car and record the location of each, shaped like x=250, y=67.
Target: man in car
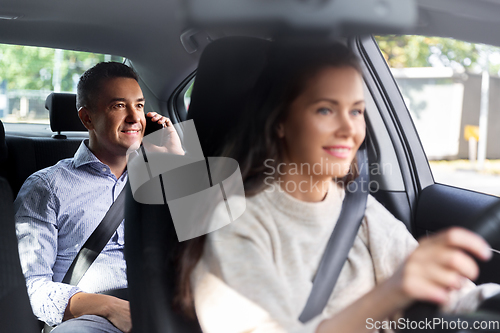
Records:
x=59, y=207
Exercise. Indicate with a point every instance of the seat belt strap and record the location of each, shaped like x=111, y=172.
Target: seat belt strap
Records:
x=96, y=242
x=341, y=240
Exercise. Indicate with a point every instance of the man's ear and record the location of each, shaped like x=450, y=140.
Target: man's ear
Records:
x=86, y=117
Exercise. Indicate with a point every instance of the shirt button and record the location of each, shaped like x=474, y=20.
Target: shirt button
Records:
x=103, y=169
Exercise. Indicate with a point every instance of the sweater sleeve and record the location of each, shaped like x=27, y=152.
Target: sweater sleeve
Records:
x=237, y=287
x=391, y=243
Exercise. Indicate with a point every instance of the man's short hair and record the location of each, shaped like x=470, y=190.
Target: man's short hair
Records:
x=90, y=81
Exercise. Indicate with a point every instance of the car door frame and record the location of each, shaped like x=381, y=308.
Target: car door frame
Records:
x=426, y=205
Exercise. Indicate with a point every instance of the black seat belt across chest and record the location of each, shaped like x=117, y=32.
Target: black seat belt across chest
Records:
x=341, y=240
x=97, y=241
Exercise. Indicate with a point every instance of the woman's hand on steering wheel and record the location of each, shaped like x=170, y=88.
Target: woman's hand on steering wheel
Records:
x=440, y=264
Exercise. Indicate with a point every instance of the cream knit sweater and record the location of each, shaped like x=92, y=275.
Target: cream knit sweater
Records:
x=256, y=273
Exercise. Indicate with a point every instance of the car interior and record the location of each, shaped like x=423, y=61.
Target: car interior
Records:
x=218, y=45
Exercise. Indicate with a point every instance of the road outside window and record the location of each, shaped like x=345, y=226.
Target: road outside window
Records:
x=29, y=74
x=452, y=90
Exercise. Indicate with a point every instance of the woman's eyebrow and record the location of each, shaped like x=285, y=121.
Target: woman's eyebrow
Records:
x=335, y=102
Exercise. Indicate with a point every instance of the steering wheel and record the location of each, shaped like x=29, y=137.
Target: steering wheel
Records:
x=426, y=317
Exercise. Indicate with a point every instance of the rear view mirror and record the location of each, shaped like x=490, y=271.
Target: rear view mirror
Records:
x=343, y=17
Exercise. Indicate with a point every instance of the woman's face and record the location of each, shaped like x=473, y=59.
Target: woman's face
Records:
x=325, y=126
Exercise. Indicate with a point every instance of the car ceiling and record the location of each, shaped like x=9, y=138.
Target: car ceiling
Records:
x=148, y=31
x=471, y=20
x=145, y=31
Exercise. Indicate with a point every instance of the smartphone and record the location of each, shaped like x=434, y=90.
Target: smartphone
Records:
x=151, y=126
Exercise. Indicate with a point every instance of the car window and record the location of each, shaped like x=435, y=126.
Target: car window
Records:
x=29, y=74
x=182, y=97
x=451, y=89
x=187, y=95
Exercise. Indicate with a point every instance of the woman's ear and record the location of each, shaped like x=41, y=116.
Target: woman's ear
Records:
x=85, y=116
x=280, y=130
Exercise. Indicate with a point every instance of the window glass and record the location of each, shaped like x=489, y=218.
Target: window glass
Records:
x=187, y=95
x=452, y=90
x=29, y=74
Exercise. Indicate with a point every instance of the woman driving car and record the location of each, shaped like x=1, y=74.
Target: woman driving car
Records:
x=296, y=147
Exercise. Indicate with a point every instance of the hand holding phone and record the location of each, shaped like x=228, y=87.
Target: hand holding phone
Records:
x=167, y=141
x=151, y=126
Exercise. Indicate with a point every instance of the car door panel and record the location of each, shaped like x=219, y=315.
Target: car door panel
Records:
x=440, y=206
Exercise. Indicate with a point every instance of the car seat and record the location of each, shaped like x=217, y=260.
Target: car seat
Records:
x=16, y=314
x=30, y=154
x=228, y=69
x=3, y=145
x=63, y=114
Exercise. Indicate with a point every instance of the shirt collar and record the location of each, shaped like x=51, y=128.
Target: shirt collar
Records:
x=84, y=156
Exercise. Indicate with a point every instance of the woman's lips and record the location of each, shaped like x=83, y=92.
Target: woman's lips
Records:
x=338, y=151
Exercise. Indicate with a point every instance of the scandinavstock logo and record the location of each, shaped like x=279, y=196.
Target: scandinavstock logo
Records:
x=202, y=194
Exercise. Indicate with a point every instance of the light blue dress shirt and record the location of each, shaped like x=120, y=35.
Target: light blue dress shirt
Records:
x=57, y=209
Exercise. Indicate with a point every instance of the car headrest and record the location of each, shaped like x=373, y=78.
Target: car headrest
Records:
x=62, y=112
x=227, y=72
x=3, y=144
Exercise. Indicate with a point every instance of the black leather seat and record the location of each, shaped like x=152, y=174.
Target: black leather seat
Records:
x=16, y=314
x=19, y=158
x=63, y=114
x=3, y=145
x=227, y=70
x=30, y=154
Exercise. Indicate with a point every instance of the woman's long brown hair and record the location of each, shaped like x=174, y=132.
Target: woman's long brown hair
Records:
x=255, y=144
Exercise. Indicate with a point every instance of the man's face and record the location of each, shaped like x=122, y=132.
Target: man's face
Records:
x=116, y=120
